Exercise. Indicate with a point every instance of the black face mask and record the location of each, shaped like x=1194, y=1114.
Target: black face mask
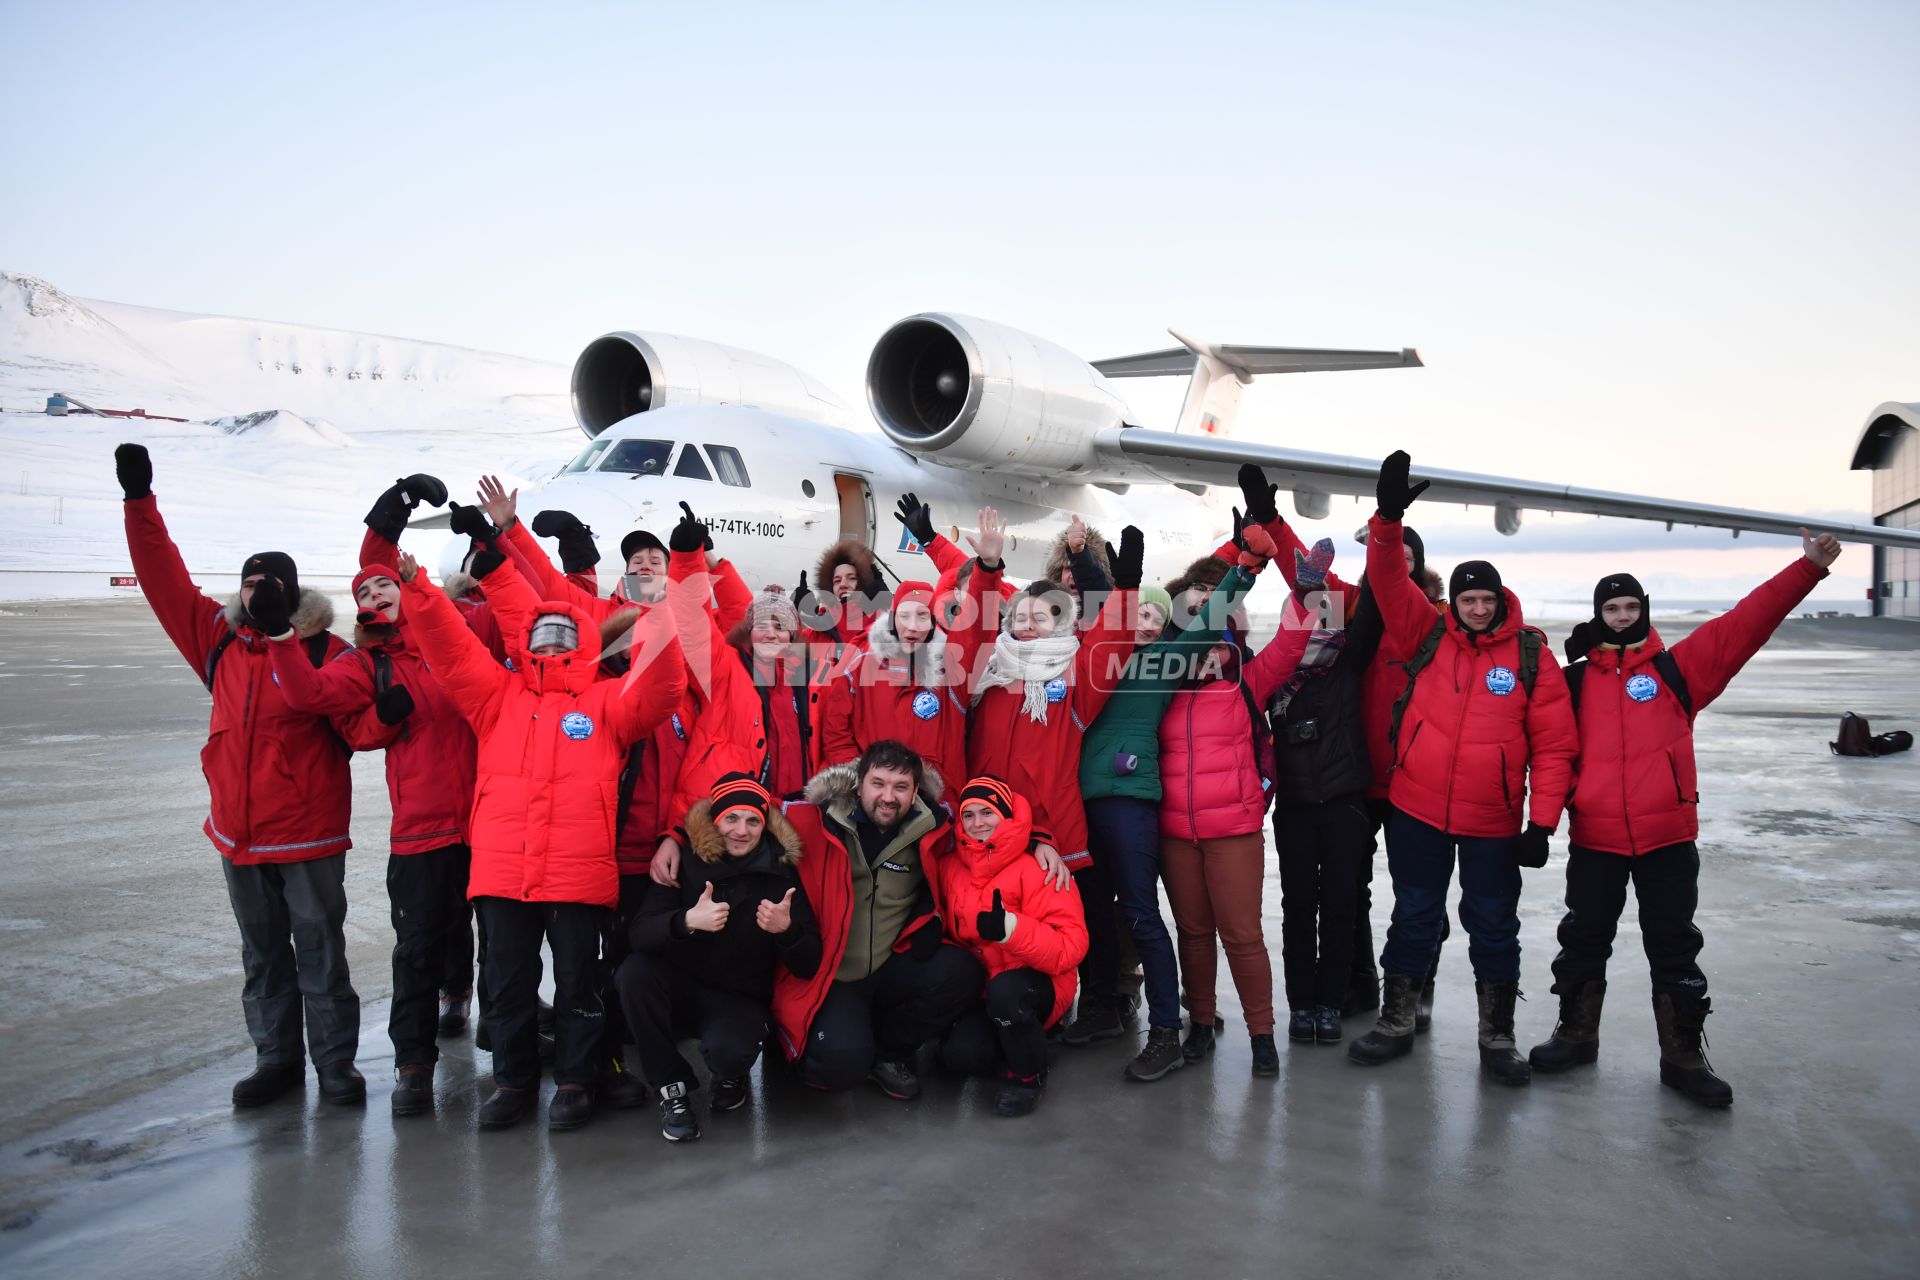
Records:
x=1613, y=587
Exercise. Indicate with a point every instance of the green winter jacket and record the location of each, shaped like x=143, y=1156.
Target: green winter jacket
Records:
x=1130, y=722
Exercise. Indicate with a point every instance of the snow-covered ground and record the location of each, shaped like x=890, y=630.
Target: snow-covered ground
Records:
x=291, y=432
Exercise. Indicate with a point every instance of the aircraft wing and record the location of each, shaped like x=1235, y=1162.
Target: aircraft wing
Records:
x=1140, y=455
x=1249, y=361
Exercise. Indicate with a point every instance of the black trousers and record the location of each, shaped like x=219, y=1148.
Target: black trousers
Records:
x=613, y=953
x=664, y=1006
x=427, y=896
x=1100, y=970
x=513, y=932
x=1667, y=884
x=456, y=974
x=293, y=952
x=891, y=1012
x=1325, y=849
x=1007, y=1032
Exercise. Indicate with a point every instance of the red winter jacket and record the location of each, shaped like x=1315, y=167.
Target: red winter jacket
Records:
x=1050, y=934
x=1210, y=779
x=1042, y=761
x=460, y=588
x=826, y=877
x=430, y=754
x=1638, y=790
x=552, y=739
x=880, y=695
x=1472, y=743
x=277, y=777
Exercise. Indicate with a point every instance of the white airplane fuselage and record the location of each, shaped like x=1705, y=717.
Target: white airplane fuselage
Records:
x=808, y=484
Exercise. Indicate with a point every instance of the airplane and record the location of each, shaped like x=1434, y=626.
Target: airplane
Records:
x=973, y=413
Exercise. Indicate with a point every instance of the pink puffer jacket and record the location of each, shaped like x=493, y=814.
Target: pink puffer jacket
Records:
x=1209, y=775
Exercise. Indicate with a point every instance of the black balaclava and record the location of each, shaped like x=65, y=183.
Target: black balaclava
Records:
x=275, y=564
x=1613, y=587
x=1477, y=575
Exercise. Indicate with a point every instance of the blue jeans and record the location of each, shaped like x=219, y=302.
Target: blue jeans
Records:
x=1126, y=838
x=1420, y=859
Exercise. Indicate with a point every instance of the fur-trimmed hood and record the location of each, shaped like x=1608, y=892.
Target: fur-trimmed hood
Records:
x=710, y=846
x=839, y=782
x=459, y=585
x=1207, y=571
x=929, y=666
x=857, y=554
x=312, y=614
x=1057, y=554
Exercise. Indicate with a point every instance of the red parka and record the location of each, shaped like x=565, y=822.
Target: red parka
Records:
x=430, y=755
x=277, y=777
x=1638, y=790
x=1041, y=761
x=1050, y=934
x=826, y=877
x=880, y=695
x=552, y=739
x=1211, y=785
x=1476, y=756
x=460, y=588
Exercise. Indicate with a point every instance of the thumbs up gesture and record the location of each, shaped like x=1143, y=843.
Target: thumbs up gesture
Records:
x=775, y=917
x=706, y=915
x=996, y=925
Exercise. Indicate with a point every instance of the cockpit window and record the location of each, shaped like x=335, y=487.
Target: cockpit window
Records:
x=588, y=456
x=638, y=457
x=729, y=464
x=690, y=465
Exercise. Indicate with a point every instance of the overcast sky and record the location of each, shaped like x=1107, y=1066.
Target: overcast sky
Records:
x=1661, y=248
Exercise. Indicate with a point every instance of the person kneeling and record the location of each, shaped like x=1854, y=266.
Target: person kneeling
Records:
x=1030, y=938
x=705, y=952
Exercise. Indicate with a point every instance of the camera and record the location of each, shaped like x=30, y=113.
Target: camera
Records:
x=1303, y=731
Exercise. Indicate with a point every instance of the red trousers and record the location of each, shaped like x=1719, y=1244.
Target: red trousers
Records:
x=1214, y=887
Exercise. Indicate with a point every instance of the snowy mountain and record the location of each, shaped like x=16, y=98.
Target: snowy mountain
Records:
x=291, y=431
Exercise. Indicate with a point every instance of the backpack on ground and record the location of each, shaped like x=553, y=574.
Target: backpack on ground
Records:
x=1857, y=738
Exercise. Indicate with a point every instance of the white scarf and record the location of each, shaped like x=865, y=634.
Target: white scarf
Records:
x=1032, y=663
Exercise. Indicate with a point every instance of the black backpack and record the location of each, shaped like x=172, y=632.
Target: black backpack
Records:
x=316, y=647
x=1530, y=645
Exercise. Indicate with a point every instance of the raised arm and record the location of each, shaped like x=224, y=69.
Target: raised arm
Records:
x=344, y=687
x=193, y=620
x=465, y=668
x=1716, y=650
x=655, y=680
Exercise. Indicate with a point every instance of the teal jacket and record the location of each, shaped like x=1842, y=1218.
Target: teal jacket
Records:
x=1130, y=722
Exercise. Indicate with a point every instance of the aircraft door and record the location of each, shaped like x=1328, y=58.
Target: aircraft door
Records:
x=856, y=507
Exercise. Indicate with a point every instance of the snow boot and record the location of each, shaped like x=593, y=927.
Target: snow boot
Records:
x=1498, y=1057
x=1683, y=1060
x=1392, y=1033
x=1161, y=1055
x=1576, y=1038
x=265, y=1083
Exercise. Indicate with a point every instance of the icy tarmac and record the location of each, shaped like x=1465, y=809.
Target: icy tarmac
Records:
x=120, y=1021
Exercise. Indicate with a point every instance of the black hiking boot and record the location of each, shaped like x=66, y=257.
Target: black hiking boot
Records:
x=1266, y=1056
x=265, y=1083
x=1018, y=1097
x=1161, y=1055
x=1199, y=1041
x=896, y=1078
x=1576, y=1037
x=1300, y=1026
x=571, y=1108
x=1326, y=1025
x=1093, y=1022
x=413, y=1090
x=506, y=1108
x=342, y=1084
x=618, y=1087
x=1392, y=1034
x=1683, y=1059
x=454, y=1010
x=1498, y=1056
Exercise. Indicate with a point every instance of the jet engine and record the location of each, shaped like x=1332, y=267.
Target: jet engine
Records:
x=621, y=374
x=973, y=394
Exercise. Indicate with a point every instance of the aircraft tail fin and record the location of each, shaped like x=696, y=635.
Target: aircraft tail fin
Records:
x=1218, y=371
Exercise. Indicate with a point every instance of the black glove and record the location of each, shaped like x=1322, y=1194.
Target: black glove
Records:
x=1262, y=507
x=993, y=924
x=578, y=553
x=393, y=706
x=1529, y=848
x=269, y=607
x=1391, y=492
x=1581, y=642
x=133, y=465
x=470, y=521
x=1128, y=559
x=388, y=515
x=918, y=517
x=1239, y=523
x=484, y=562
x=421, y=487
x=924, y=942
x=689, y=534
